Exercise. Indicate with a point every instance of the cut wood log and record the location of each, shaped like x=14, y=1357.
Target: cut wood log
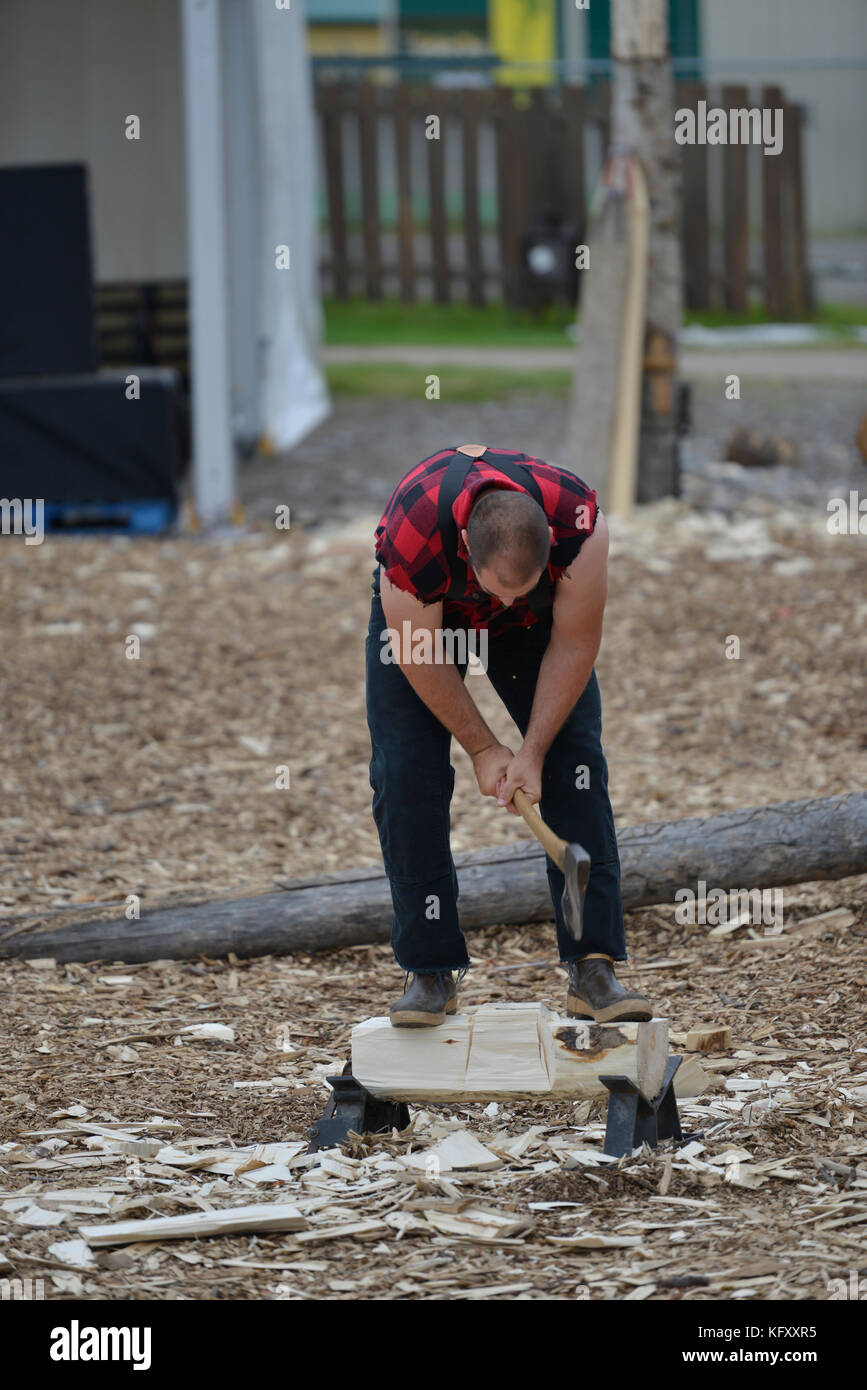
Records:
x=713, y=1038
x=505, y=1051
x=637, y=1050
x=708, y=1039
x=264, y=1216
x=766, y=846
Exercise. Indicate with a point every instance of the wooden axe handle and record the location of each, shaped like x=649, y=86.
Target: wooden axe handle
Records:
x=552, y=843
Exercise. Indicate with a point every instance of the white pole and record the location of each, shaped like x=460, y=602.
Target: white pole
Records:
x=241, y=99
x=213, y=453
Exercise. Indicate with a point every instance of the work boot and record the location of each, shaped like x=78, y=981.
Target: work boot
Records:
x=427, y=1000
x=595, y=993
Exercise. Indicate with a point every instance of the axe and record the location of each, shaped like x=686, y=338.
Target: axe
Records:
x=572, y=860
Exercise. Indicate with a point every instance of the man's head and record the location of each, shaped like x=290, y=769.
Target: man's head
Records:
x=509, y=541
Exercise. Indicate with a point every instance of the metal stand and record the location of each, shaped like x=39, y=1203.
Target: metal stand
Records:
x=351, y=1106
x=634, y=1120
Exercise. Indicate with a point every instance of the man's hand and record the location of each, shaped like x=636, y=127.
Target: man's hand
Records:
x=490, y=765
x=524, y=771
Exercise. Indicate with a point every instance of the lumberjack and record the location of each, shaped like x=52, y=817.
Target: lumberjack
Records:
x=497, y=541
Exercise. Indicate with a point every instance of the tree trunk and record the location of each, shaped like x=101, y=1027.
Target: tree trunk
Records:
x=756, y=847
x=642, y=119
x=592, y=411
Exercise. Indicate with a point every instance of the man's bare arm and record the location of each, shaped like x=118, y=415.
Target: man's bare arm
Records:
x=576, y=634
x=441, y=687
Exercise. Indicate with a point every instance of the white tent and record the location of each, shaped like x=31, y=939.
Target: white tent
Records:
x=256, y=324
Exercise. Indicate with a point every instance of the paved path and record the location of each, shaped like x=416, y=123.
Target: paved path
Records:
x=783, y=364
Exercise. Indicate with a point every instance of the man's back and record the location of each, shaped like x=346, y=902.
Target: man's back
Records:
x=410, y=544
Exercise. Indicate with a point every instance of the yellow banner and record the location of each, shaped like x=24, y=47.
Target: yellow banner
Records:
x=524, y=31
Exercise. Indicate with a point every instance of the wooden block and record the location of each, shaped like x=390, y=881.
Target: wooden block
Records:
x=652, y=1055
x=500, y=1051
x=418, y=1063
x=507, y=1052
x=710, y=1039
x=581, y=1052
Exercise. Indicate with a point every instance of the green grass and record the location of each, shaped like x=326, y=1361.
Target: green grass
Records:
x=389, y=322
x=368, y=323
x=466, y=384
x=841, y=318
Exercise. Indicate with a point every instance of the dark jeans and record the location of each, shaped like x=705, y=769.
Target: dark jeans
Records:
x=412, y=780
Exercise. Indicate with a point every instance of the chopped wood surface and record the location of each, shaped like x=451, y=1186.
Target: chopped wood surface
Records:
x=507, y=1051
x=156, y=777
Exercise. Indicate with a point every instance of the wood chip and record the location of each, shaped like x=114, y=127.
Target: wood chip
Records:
x=232, y=1221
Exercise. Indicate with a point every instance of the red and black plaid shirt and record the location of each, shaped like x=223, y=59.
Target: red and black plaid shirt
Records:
x=410, y=548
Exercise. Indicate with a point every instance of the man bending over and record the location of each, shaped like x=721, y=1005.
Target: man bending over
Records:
x=488, y=540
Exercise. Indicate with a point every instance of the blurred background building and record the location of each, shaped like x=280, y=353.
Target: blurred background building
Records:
x=65, y=70
x=485, y=212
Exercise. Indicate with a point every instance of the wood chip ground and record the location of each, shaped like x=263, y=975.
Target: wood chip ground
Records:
x=156, y=777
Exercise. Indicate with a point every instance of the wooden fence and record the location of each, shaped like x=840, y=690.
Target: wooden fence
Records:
x=394, y=220
x=406, y=214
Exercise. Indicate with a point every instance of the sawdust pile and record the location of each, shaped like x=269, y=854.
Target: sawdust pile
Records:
x=156, y=776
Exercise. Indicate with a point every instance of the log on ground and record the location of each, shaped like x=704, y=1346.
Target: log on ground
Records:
x=756, y=847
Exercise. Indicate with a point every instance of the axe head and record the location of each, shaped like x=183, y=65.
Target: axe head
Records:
x=576, y=872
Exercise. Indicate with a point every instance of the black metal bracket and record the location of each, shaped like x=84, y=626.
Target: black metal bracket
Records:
x=634, y=1120
x=351, y=1106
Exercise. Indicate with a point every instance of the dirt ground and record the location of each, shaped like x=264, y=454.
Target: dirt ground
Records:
x=348, y=466
x=156, y=776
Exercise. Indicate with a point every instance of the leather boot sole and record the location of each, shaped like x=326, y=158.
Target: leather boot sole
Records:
x=624, y=1012
x=415, y=1018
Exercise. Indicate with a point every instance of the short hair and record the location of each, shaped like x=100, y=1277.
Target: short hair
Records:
x=506, y=525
